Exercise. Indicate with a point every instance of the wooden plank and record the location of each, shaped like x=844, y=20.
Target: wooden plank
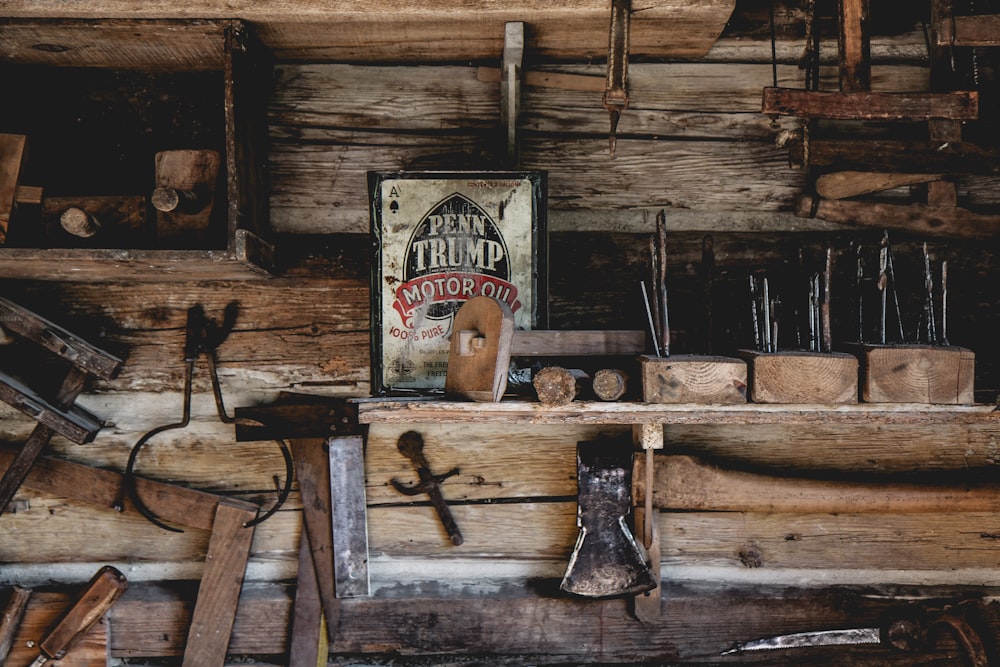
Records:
x=844, y=184
x=689, y=483
x=307, y=643
x=868, y=105
x=12, y=156
x=421, y=31
x=974, y=30
x=583, y=412
x=698, y=623
x=937, y=221
x=219, y=591
x=58, y=340
x=541, y=343
x=854, y=45
x=312, y=470
x=887, y=155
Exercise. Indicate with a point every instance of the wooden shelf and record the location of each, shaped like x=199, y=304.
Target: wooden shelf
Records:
x=372, y=411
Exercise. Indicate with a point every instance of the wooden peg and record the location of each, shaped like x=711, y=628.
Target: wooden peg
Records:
x=184, y=194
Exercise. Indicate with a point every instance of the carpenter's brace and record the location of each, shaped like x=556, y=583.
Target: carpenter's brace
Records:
x=203, y=337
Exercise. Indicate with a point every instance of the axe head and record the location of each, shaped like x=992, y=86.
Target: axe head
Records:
x=606, y=561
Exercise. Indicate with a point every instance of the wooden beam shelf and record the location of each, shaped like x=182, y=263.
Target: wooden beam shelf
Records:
x=379, y=410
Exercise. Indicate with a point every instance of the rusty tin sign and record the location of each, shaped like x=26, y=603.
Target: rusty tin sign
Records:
x=440, y=239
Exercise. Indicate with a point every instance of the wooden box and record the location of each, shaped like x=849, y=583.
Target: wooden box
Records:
x=693, y=379
x=917, y=374
x=98, y=100
x=802, y=377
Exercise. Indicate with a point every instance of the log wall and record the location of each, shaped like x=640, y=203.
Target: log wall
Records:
x=693, y=143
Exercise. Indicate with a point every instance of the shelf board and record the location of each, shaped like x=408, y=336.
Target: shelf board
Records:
x=379, y=410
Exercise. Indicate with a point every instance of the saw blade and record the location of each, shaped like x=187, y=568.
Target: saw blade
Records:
x=852, y=636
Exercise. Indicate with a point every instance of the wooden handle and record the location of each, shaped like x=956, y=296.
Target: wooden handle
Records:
x=101, y=593
x=11, y=617
x=687, y=483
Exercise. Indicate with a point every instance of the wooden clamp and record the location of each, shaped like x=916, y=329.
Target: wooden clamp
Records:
x=13, y=149
x=56, y=414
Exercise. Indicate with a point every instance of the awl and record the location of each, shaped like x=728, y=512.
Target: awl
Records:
x=101, y=593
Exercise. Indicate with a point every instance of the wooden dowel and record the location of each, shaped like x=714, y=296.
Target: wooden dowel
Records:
x=555, y=385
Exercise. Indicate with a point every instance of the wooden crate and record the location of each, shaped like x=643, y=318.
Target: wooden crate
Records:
x=97, y=100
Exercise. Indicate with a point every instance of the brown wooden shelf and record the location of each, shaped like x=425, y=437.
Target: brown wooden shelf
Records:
x=372, y=411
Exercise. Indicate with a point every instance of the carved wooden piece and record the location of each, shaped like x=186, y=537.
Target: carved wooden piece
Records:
x=917, y=374
x=184, y=194
x=110, y=220
x=44, y=609
x=693, y=379
x=480, y=350
x=308, y=645
x=802, y=377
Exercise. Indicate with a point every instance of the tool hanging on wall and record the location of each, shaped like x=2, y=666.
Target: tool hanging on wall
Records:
x=606, y=560
x=615, y=98
x=203, y=337
x=411, y=445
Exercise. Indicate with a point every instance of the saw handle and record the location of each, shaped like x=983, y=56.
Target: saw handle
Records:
x=101, y=593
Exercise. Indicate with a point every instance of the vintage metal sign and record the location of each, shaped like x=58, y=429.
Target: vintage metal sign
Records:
x=439, y=240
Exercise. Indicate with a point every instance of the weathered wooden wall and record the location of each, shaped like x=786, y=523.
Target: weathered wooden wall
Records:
x=692, y=143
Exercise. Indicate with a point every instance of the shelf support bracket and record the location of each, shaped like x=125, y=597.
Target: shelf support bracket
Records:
x=648, y=438
x=511, y=74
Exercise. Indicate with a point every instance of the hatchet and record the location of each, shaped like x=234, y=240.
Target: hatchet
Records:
x=606, y=560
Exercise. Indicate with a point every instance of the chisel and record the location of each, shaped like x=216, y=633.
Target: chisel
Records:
x=101, y=593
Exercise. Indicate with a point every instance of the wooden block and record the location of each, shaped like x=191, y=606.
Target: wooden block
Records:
x=802, y=377
x=917, y=374
x=693, y=379
x=555, y=385
x=221, y=583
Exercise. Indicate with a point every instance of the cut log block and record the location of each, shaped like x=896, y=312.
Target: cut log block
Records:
x=555, y=385
x=184, y=195
x=802, y=377
x=693, y=379
x=917, y=374
x=610, y=384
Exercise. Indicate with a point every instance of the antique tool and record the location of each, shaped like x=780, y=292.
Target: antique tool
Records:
x=103, y=590
x=203, y=337
x=615, y=98
x=859, y=278
x=649, y=317
x=944, y=302
x=909, y=632
x=56, y=414
x=483, y=332
x=411, y=445
x=758, y=343
x=606, y=560
x=825, y=306
x=931, y=325
x=13, y=149
x=10, y=618
x=661, y=283
x=654, y=266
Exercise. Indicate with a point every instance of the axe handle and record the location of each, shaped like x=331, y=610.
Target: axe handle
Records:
x=687, y=483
